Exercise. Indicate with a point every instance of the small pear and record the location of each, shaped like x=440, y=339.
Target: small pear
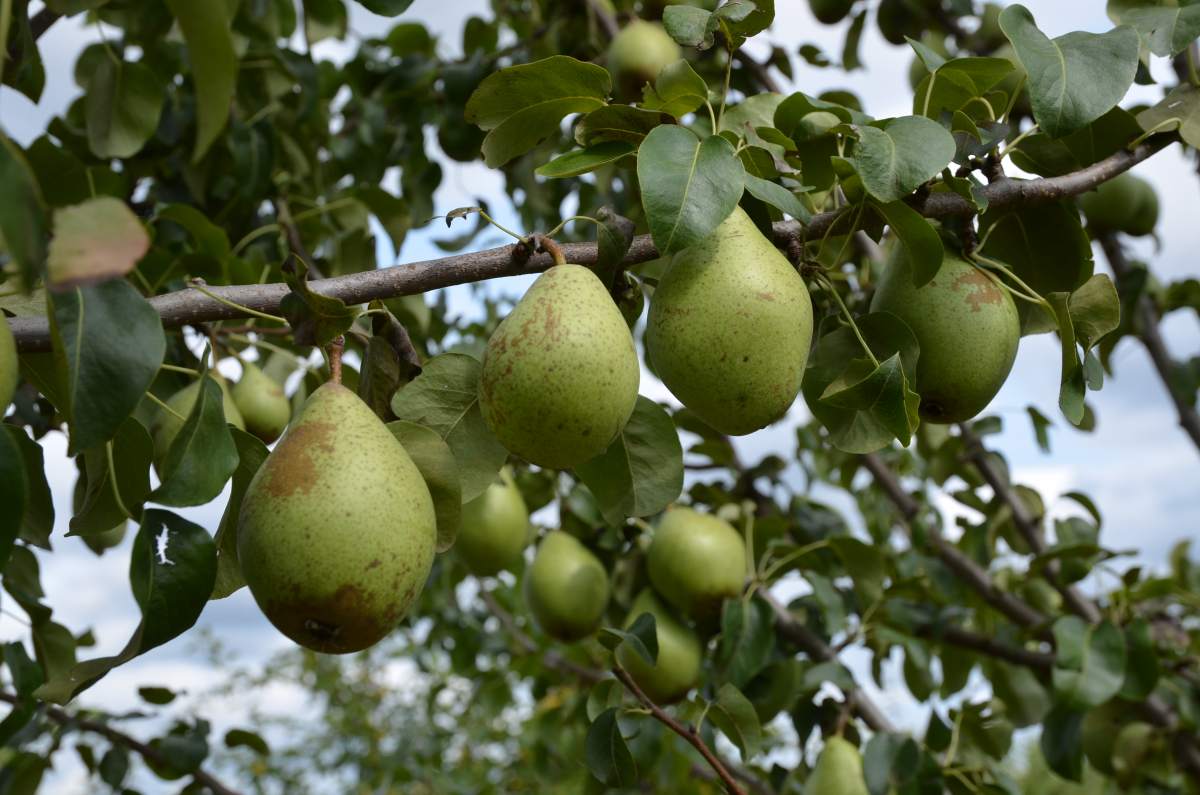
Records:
x=8, y=364
x=495, y=528
x=677, y=668
x=337, y=530
x=263, y=405
x=638, y=53
x=167, y=425
x=968, y=330
x=1126, y=203
x=566, y=588
x=560, y=373
x=729, y=328
x=696, y=561
x=839, y=770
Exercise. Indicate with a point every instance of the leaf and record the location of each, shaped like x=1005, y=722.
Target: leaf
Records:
x=251, y=455
x=171, y=573
x=1071, y=385
x=777, y=196
x=641, y=472
x=1167, y=31
x=606, y=754
x=617, y=123
x=97, y=240
x=614, y=236
x=445, y=398
x=922, y=244
x=241, y=738
x=864, y=563
x=315, y=319
x=129, y=475
x=207, y=236
x=900, y=155
x=111, y=343
x=1062, y=732
x=1095, y=310
x=205, y=28
x=889, y=762
x=122, y=107
x=23, y=225
x=1073, y=79
x=38, y=518
x=688, y=186
x=202, y=456
x=439, y=469
x=156, y=695
x=1089, y=665
x=747, y=638
x=677, y=90
x=1142, y=671
x=13, y=493
x=606, y=694
x=523, y=105
x=642, y=637
x=581, y=161
x=1041, y=425
x=1179, y=110
x=734, y=715
x=386, y=8
x=689, y=26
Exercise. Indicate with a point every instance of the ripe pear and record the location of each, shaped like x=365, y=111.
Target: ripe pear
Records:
x=677, y=669
x=1126, y=203
x=566, y=588
x=495, y=528
x=166, y=425
x=263, y=405
x=560, y=373
x=8, y=364
x=830, y=12
x=696, y=561
x=729, y=328
x=839, y=770
x=968, y=330
x=336, y=533
x=638, y=53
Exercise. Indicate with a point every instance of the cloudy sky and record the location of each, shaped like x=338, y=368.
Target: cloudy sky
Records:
x=1138, y=467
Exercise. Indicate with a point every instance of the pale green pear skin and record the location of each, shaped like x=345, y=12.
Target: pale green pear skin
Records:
x=729, y=328
x=262, y=403
x=1126, y=203
x=566, y=588
x=8, y=364
x=560, y=373
x=167, y=425
x=494, y=529
x=696, y=562
x=677, y=668
x=337, y=530
x=968, y=330
x=839, y=770
x=638, y=53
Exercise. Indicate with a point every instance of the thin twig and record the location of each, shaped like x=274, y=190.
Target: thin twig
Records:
x=550, y=659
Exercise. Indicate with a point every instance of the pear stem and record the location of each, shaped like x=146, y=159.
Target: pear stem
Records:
x=553, y=249
x=335, y=358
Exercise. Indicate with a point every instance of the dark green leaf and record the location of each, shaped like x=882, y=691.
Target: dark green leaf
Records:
x=1180, y=110
x=899, y=155
x=690, y=26
x=677, y=90
x=734, y=715
x=606, y=754
x=582, y=161
x=128, y=476
x=14, y=490
x=251, y=454
x=315, y=319
x=641, y=637
x=386, y=8
x=156, y=695
x=439, y=469
x=921, y=242
x=214, y=66
x=22, y=217
x=203, y=456
x=241, y=738
x=747, y=638
x=1061, y=741
x=1167, y=31
x=37, y=517
x=124, y=101
x=1089, y=667
x=777, y=196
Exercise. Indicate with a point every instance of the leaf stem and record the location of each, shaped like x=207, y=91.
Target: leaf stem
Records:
x=566, y=221
x=162, y=405
x=846, y=314
x=198, y=286
x=1013, y=144
x=172, y=368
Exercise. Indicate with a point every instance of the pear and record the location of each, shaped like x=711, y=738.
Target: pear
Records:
x=166, y=425
x=495, y=528
x=696, y=561
x=729, y=328
x=336, y=533
x=839, y=770
x=560, y=373
x=677, y=669
x=968, y=330
x=263, y=405
x=830, y=12
x=566, y=588
x=638, y=53
x=8, y=364
x=1125, y=203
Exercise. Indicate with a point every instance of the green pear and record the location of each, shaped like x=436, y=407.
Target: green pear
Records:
x=8, y=364
x=839, y=770
x=167, y=424
x=495, y=528
x=1126, y=203
x=677, y=669
x=638, y=53
x=560, y=373
x=336, y=533
x=261, y=401
x=729, y=328
x=566, y=588
x=696, y=561
x=830, y=12
x=968, y=330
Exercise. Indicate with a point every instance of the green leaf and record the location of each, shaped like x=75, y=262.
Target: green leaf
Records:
x=129, y=475
x=315, y=319
x=171, y=573
x=207, y=236
x=688, y=186
x=641, y=472
x=582, y=161
x=864, y=563
x=439, y=469
x=23, y=225
x=604, y=695
x=124, y=102
x=202, y=456
x=386, y=8
x=156, y=695
x=251, y=455
x=445, y=398
x=97, y=240
x=1095, y=310
x=1071, y=385
x=734, y=715
x=642, y=637
x=899, y=155
x=922, y=244
x=1179, y=110
x=1089, y=666
x=1142, y=670
x=747, y=638
x=523, y=105
x=677, y=90
x=959, y=85
x=1061, y=746
x=111, y=343
x=777, y=196
x=889, y=762
x=241, y=738
x=606, y=754
x=38, y=518
x=617, y=123
x=13, y=493
x=1041, y=425
x=1167, y=31
x=689, y=26
x=1073, y=79
x=205, y=28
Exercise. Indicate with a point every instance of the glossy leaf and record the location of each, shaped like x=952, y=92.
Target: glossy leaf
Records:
x=898, y=156
x=214, y=65
x=315, y=319
x=583, y=161
x=922, y=244
x=124, y=102
x=439, y=469
x=203, y=456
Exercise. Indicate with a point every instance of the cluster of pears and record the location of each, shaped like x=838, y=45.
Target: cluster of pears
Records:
x=1126, y=203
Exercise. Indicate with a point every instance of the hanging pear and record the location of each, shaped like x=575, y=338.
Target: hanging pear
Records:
x=560, y=373
x=337, y=530
x=696, y=561
x=566, y=588
x=638, y=53
x=8, y=364
x=677, y=668
x=495, y=528
x=839, y=770
x=730, y=327
x=167, y=424
x=261, y=401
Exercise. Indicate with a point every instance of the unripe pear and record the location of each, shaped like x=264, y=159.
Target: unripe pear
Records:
x=696, y=561
x=263, y=405
x=839, y=770
x=560, y=373
x=566, y=588
x=495, y=528
x=729, y=328
x=337, y=530
x=1126, y=203
x=638, y=53
x=8, y=364
x=968, y=330
x=677, y=668
x=830, y=12
x=167, y=425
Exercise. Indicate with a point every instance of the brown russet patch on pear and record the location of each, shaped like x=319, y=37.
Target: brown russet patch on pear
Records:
x=978, y=287
x=335, y=625
x=766, y=296
x=293, y=470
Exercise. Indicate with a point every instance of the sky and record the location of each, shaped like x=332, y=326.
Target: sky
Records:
x=1138, y=467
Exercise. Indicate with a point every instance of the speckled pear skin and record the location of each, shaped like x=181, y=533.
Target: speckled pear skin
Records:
x=729, y=328
x=696, y=561
x=495, y=529
x=167, y=425
x=839, y=770
x=677, y=669
x=968, y=330
x=8, y=364
x=337, y=530
x=566, y=588
x=263, y=405
x=560, y=373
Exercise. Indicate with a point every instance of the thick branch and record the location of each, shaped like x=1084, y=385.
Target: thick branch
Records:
x=40, y=22
x=147, y=752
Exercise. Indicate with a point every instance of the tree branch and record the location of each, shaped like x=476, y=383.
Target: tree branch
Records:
x=147, y=752
x=550, y=659
x=40, y=22
x=966, y=639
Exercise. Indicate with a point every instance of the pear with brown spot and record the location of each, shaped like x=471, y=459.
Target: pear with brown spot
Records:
x=337, y=531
